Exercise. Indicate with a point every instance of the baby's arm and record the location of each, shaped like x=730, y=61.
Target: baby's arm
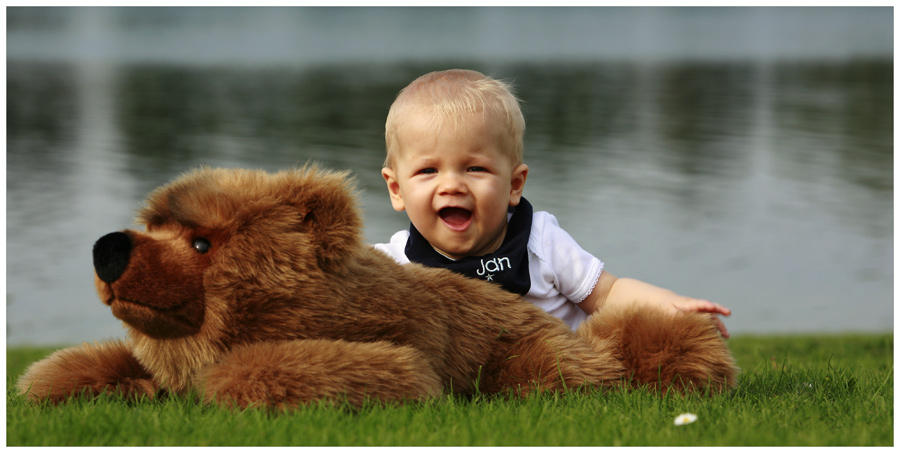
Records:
x=612, y=291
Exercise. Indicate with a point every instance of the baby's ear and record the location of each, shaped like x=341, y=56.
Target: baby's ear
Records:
x=517, y=184
x=390, y=177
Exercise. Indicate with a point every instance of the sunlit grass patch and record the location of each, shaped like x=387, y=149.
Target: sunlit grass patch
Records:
x=823, y=390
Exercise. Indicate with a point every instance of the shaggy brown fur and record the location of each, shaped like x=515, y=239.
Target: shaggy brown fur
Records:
x=256, y=289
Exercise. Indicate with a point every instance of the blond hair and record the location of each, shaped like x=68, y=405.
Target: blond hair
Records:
x=450, y=95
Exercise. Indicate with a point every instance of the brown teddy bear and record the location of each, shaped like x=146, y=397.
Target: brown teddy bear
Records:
x=256, y=288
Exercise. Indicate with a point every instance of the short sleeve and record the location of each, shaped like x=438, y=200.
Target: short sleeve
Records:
x=574, y=271
x=396, y=248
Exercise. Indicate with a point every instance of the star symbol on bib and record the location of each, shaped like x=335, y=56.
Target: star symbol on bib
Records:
x=490, y=277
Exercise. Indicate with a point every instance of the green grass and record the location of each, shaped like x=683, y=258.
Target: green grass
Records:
x=794, y=390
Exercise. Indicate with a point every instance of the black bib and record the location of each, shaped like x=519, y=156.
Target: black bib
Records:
x=508, y=266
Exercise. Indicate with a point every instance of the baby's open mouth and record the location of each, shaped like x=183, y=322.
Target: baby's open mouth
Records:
x=455, y=217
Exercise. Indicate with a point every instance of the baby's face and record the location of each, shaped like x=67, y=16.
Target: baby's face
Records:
x=455, y=184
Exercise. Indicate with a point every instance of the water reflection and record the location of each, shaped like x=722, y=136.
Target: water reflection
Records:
x=40, y=130
x=767, y=186
x=835, y=130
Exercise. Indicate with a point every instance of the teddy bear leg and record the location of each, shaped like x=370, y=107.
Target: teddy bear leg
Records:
x=294, y=373
x=682, y=352
x=89, y=369
x=551, y=358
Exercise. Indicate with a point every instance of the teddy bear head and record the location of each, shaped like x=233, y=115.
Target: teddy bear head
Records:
x=225, y=252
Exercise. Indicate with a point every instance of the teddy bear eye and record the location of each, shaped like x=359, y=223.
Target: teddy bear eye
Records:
x=201, y=245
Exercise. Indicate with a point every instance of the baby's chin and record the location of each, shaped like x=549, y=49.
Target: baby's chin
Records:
x=454, y=251
x=457, y=251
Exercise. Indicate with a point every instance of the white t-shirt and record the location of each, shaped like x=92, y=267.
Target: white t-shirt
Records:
x=562, y=273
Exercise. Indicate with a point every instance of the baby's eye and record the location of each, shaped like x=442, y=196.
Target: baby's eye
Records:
x=477, y=169
x=427, y=171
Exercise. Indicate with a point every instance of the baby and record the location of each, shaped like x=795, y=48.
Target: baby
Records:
x=454, y=164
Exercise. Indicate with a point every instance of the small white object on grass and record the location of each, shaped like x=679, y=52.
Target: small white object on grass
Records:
x=685, y=419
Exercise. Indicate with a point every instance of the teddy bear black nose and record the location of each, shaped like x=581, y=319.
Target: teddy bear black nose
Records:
x=111, y=253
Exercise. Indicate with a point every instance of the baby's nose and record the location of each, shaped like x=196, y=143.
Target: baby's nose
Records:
x=452, y=183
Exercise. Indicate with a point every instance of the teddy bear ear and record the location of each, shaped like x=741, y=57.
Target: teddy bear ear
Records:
x=327, y=203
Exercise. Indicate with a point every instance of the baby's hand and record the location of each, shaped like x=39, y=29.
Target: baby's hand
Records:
x=682, y=303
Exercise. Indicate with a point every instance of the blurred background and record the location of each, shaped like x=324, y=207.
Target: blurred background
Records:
x=743, y=155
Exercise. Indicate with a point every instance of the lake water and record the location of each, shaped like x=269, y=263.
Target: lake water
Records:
x=744, y=155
